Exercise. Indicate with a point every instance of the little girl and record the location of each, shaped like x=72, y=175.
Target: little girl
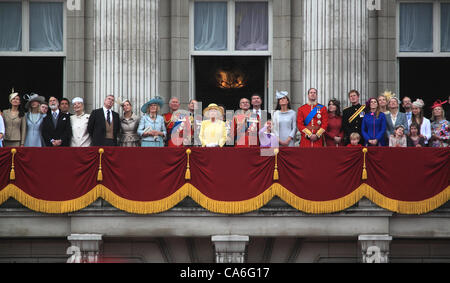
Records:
x=398, y=139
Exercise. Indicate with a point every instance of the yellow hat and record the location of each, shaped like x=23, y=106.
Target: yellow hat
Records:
x=213, y=106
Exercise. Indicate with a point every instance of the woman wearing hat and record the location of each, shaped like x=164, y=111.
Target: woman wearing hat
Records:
x=440, y=128
x=213, y=132
x=15, y=123
x=418, y=118
x=129, y=123
x=34, y=121
x=151, y=126
x=79, y=123
x=284, y=120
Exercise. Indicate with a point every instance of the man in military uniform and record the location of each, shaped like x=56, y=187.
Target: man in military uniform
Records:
x=174, y=104
x=312, y=121
x=352, y=117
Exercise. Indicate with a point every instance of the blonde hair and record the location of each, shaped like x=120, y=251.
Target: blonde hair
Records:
x=355, y=136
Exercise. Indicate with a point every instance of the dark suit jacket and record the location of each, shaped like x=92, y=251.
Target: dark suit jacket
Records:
x=63, y=130
x=97, y=126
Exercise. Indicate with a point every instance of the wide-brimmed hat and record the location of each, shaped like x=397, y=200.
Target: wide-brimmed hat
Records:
x=156, y=100
x=213, y=106
x=33, y=97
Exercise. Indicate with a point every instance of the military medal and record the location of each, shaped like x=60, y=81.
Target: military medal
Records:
x=319, y=116
x=319, y=122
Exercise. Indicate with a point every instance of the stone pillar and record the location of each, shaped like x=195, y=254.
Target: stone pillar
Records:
x=335, y=48
x=126, y=50
x=85, y=248
x=375, y=248
x=230, y=248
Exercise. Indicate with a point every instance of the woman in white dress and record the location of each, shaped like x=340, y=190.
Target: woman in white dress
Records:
x=79, y=123
x=419, y=119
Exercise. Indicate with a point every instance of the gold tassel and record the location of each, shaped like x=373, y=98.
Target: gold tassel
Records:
x=276, y=177
x=187, y=176
x=100, y=174
x=12, y=174
x=364, y=173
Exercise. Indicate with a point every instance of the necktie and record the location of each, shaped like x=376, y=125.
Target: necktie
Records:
x=55, y=115
x=108, y=118
x=55, y=119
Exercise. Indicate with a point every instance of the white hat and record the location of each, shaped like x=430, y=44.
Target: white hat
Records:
x=77, y=99
x=419, y=103
x=281, y=94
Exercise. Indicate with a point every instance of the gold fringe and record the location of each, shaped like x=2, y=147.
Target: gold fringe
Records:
x=12, y=174
x=225, y=207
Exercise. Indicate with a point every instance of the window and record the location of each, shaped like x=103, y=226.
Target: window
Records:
x=46, y=26
x=10, y=26
x=32, y=28
x=445, y=27
x=416, y=27
x=230, y=27
x=423, y=28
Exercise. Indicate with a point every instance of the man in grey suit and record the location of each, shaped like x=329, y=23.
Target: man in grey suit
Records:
x=395, y=118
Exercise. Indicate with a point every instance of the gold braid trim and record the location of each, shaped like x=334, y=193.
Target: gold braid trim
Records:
x=225, y=207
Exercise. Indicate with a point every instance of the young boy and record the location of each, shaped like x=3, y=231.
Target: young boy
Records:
x=354, y=140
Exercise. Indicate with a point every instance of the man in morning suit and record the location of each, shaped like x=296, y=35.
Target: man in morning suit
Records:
x=56, y=128
x=104, y=124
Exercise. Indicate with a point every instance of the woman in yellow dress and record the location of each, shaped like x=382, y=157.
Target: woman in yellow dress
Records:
x=213, y=132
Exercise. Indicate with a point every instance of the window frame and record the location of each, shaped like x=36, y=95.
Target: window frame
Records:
x=231, y=33
x=25, y=52
x=436, y=30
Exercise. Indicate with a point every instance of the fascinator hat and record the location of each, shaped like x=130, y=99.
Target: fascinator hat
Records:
x=281, y=94
x=156, y=100
x=389, y=95
x=438, y=103
x=419, y=103
x=12, y=95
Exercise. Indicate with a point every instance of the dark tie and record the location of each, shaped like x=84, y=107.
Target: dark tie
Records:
x=108, y=117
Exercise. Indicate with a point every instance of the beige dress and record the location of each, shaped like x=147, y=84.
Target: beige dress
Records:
x=15, y=129
x=128, y=132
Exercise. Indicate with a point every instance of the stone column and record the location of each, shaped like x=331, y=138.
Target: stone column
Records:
x=230, y=248
x=85, y=248
x=126, y=50
x=335, y=48
x=375, y=248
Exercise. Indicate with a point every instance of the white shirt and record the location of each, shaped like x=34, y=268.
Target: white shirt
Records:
x=105, y=111
x=57, y=113
x=80, y=135
x=425, y=129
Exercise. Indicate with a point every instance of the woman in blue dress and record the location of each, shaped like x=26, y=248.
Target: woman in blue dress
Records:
x=151, y=126
x=34, y=120
x=374, y=124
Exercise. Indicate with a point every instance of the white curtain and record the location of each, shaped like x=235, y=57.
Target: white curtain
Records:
x=46, y=26
x=445, y=27
x=10, y=26
x=416, y=27
x=252, y=27
x=210, y=27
